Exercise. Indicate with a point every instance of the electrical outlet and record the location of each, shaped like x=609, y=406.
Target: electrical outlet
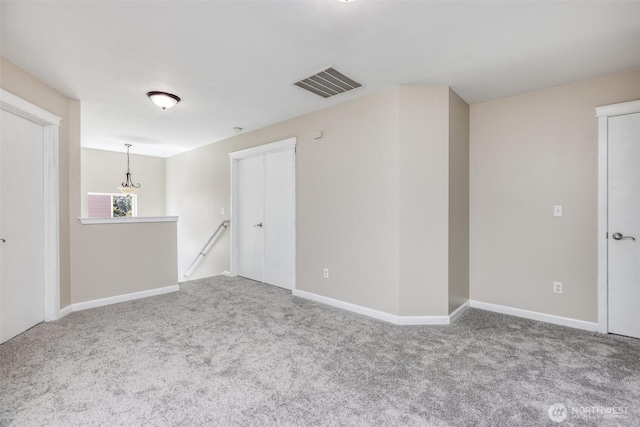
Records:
x=557, y=287
x=325, y=273
x=223, y=211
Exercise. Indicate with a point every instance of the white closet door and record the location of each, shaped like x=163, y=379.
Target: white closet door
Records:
x=21, y=225
x=624, y=223
x=250, y=218
x=279, y=219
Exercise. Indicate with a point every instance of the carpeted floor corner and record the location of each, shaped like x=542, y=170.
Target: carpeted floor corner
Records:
x=232, y=352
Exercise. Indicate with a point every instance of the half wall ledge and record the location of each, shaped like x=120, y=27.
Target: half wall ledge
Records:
x=127, y=220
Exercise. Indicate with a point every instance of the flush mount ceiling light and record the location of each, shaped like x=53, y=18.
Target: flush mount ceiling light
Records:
x=128, y=187
x=163, y=100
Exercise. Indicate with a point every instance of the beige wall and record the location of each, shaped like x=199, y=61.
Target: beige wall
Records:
x=458, y=201
x=17, y=81
x=103, y=171
x=423, y=200
x=87, y=253
x=528, y=153
x=372, y=199
x=117, y=259
x=347, y=199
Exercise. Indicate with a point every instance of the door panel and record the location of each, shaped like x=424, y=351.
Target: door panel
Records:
x=250, y=205
x=21, y=225
x=624, y=218
x=279, y=219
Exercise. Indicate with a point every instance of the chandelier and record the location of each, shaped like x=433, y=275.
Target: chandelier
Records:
x=128, y=187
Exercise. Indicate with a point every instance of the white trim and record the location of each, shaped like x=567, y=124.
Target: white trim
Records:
x=603, y=113
x=127, y=220
x=273, y=147
x=380, y=315
x=288, y=144
x=51, y=226
x=422, y=320
x=618, y=109
x=227, y=273
x=534, y=315
x=458, y=311
x=20, y=107
x=603, y=215
x=376, y=314
x=65, y=311
x=122, y=298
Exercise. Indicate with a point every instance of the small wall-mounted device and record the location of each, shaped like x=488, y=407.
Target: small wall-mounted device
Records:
x=317, y=135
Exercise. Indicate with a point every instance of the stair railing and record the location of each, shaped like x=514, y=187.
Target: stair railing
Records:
x=207, y=246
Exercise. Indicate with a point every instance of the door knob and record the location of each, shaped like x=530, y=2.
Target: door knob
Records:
x=619, y=236
x=3, y=241
x=258, y=225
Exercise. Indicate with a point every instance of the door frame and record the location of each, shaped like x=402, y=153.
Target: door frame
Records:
x=603, y=113
x=288, y=144
x=50, y=126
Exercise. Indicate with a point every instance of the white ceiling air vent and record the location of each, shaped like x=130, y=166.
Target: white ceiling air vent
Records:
x=327, y=83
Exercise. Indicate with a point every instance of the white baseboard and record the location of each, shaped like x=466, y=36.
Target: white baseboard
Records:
x=376, y=314
x=122, y=298
x=458, y=311
x=534, y=315
x=65, y=311
x=422, y=320
x=227, y=273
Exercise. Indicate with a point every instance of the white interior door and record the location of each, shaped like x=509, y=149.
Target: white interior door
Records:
x=250, y=218
x=21, y=225
x=263, y=213
x=624, y=225
x=279, y=219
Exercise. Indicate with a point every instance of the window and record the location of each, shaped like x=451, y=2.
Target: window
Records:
x=112, y=205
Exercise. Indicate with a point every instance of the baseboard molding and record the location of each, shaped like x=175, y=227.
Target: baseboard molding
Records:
x=122, y=298
x=227, y=273
x=65, y=311
x=534, y=315
x=422, y=320
x=376, y=314
x=458, y=311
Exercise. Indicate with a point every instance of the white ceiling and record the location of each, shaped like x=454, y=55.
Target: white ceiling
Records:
x=234, y=62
